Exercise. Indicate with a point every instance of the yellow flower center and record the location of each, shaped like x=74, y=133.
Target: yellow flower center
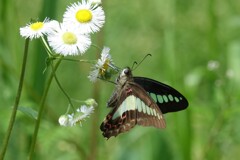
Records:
x=84, y=16
x=104, y=68
x=36, y=26
x=69, y=38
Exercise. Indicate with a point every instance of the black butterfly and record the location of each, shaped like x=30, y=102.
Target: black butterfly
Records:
x=142, y=101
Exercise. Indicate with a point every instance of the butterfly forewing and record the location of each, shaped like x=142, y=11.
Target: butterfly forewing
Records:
x=135, y=106
x=167, y=98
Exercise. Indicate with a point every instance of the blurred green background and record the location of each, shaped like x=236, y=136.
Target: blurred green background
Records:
x=195, y=47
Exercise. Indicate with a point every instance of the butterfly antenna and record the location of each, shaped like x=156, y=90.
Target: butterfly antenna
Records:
x=138, y=64
x=134, y=63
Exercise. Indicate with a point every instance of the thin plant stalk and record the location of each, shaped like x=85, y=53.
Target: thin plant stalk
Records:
x=41, y=109
x=17, y=99
x=61, y=88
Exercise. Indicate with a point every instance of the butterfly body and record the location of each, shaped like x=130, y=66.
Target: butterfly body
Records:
x=131, y=104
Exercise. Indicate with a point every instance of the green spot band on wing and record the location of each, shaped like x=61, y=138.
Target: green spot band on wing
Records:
x=151, y=111
x=165, y=98
x=154, y=97
x=154, y=112
x=134, y=103
x=148, y=110
x=170, y=97
x=144, y=107
x=160, y=99
x=139, y=105
x=128, y=104
x=176, y=99
x=119, y=112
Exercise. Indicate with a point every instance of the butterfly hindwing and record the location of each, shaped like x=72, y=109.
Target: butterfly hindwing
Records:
x=167, y=98
x=148, y=111
x=133, y=107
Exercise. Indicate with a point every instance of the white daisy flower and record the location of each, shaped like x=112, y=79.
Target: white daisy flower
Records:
x=82, y=113
x=66, y=120
x=63, y=120
x=73, y=119
x=37, y=29
x=86, y=110
x=66, y=40
x=88, y=17
x=93, y=75
x=104, y=67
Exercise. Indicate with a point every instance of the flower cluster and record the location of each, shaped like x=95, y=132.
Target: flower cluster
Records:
x=104, y=68
x=79, y=115
x=72, y=36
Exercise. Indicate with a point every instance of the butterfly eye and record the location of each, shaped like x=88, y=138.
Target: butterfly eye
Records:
x=126, y=71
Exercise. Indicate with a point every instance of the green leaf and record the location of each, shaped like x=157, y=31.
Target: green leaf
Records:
x=29, y=112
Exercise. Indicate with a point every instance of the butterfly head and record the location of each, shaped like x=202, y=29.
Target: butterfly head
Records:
x=125, y=75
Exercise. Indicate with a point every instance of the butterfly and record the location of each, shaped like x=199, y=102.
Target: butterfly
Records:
x=139, y=101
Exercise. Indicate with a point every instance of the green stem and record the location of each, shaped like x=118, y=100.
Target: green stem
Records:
x=49, y=52
x=61, y=88
x=96, y=46
x=17, y=99
x=41, y=108
x=79, y=60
